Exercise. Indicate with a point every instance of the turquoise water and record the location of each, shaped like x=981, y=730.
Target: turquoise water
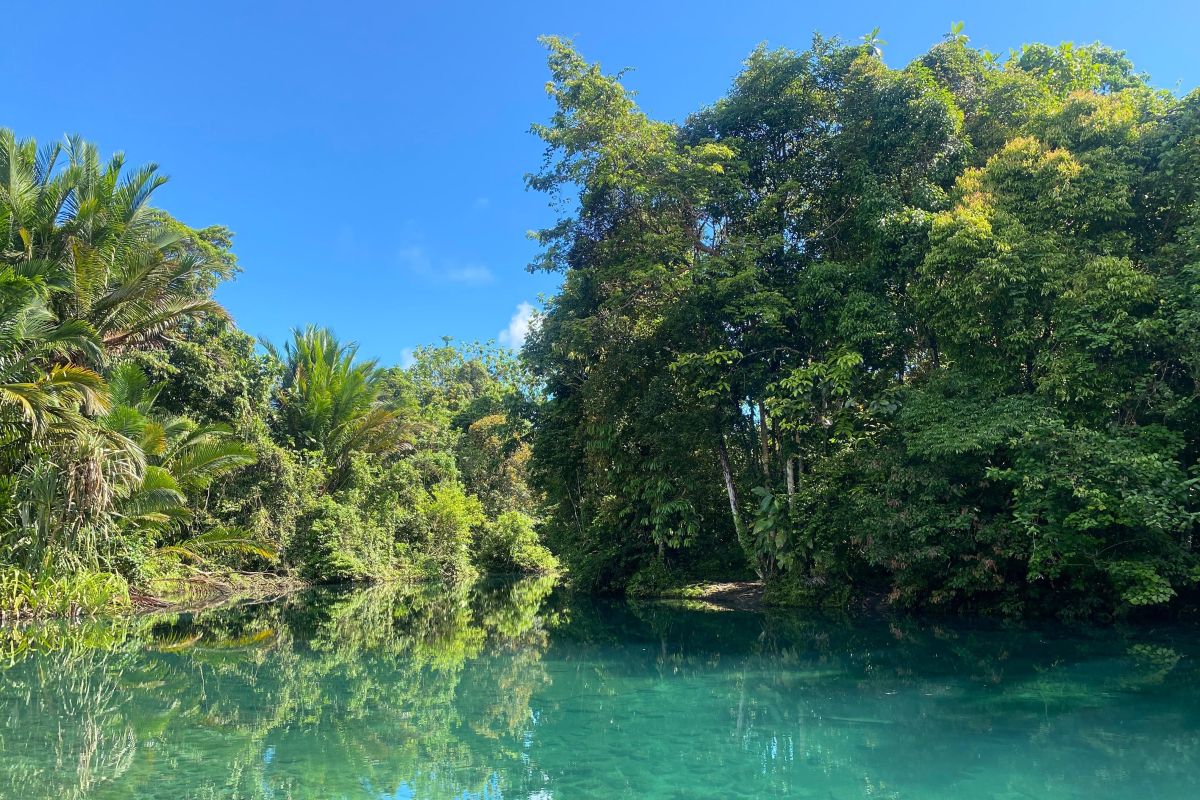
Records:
x=516, y=691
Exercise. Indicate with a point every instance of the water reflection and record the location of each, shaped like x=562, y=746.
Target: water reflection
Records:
x=513, y=691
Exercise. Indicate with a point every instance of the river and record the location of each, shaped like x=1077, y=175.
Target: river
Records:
x=520, y=690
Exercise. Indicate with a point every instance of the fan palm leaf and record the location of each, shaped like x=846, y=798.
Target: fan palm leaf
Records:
x=157, y=501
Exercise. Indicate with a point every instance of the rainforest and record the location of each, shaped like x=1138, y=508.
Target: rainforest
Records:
x=913, y=338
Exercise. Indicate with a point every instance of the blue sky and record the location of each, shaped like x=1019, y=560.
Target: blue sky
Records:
x=370, y=155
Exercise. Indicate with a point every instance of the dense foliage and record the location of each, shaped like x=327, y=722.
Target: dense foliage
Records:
x=145, y=441
x=923, y=335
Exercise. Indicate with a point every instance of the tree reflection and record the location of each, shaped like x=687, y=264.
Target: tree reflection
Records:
x=335, y=693
x=496, y=691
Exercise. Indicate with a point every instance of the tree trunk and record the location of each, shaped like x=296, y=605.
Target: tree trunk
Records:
x=731, y=490
x=764, y=441
x=777, y=447
x=791, y=480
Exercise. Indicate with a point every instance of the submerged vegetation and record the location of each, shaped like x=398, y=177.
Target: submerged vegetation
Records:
x=924, y=336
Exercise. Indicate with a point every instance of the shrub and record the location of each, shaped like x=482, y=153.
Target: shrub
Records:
x=509, y=543
x=655, y=579
x=443, y=525
x=334, y=542
x=22, y=594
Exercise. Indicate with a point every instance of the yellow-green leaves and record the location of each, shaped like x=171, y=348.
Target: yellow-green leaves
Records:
x=941, y=318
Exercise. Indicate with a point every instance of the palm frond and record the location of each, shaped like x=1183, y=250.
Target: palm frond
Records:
x=219, y=541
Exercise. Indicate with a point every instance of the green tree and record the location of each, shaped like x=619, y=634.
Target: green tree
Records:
x=923, y=331
x=329, y=401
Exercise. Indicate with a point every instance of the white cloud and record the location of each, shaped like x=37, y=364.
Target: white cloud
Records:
x=408, y=357
x=472, y=274
x=417, y=260
x=518, y=327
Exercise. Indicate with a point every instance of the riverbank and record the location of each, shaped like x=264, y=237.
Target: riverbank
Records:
x=718, y=596
x=208, y=590
x=24, y=597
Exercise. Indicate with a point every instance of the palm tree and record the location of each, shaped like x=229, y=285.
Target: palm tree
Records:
x=181, y=456
x=89, y=233
x=329, y=401
x=90, y=270
x=127, y=471
x=36, y=395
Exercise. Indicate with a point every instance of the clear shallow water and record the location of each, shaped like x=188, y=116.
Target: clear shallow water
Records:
x=516, y=692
